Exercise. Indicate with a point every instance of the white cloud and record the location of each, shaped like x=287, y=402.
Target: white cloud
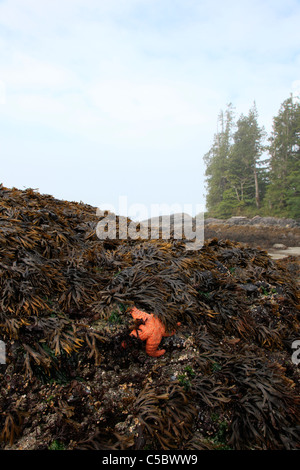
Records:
x=296, y=88
x=35, y=108
x=144, y=102
x=2, y=92
x=25, y=72
x=135, y=79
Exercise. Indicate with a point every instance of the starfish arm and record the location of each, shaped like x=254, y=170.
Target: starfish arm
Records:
x=143, y=332
x=138, y=314
x=152, y=344
x=134, y=333
x=156, y=353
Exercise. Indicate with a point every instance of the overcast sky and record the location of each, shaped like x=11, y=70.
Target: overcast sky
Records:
x=108, y=98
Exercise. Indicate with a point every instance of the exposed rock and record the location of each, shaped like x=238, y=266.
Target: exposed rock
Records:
x=279, y=246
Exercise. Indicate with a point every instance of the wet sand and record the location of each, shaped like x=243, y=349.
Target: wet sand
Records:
x=280, y=254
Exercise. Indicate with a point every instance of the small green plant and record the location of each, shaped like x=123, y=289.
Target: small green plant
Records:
x=56, y=445
x=184, y=379
x=216, y=367
x=147, y=447
x=264, y=291
x=51, y=398
x=190, y=371
x=117, y=273
x=204, y=294
x=214, y=416
x=116, y=315
x=220, y=438
x=115, y=318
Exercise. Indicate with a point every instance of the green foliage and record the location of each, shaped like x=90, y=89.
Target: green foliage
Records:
x=221, y=437
x=56, y=445
x=216, y=162
x=243, y=174
x=185, y=378
x=115, y=318
x=116, y=315
x=216, y=367
x=184, y=381
x=239, y=181
x=283, y=195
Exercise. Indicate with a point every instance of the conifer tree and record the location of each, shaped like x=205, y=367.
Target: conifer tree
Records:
x=245, y=175
x=216, y=162
x=283, y=194
x=238, y=182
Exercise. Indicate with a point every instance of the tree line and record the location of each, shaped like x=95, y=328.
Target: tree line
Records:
x=251, y=173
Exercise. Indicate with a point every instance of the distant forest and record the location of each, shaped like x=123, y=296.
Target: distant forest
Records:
x=251, y=173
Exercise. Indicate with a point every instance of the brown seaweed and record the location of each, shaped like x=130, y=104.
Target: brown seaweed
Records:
x=226, y=380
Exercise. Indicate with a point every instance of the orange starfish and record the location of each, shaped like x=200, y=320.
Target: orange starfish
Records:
x=152, y=331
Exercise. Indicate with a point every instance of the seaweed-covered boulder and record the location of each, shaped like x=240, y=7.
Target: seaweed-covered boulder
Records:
x=75, y=378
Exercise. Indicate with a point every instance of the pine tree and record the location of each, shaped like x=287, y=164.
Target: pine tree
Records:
x=245, y=177
x=238, y=183
x=283, y=194
x=216, y=163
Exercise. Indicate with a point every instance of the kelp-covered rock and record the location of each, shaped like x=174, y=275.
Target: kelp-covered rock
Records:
x=258, y=231
x=74, y=378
